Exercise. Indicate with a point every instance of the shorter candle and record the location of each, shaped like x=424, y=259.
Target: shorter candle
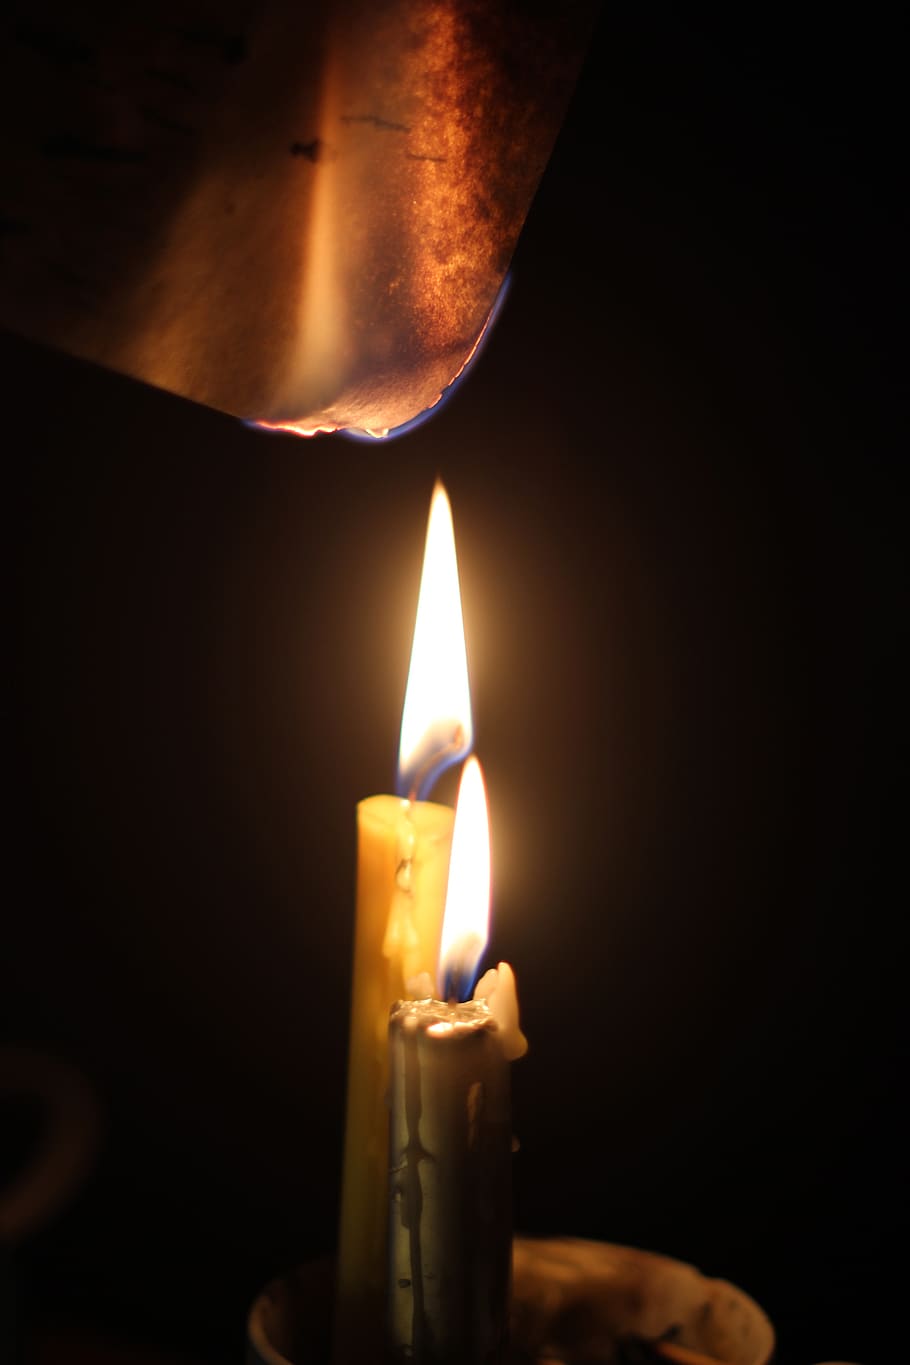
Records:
x=450, y=1184
x=450, y=1227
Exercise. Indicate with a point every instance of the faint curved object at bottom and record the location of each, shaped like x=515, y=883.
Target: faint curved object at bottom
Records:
x=66, y=1146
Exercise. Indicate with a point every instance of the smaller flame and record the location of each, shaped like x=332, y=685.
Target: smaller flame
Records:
x=436, y=727
x=466, y=923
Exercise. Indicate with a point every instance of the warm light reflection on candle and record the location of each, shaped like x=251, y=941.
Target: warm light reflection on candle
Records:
x=436, y=726
x=466, y=923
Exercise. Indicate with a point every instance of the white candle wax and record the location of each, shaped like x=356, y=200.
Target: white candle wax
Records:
x=450, y=1148
x=497, y=987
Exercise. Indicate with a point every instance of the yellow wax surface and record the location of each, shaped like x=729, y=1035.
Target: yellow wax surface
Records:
x=402, y=866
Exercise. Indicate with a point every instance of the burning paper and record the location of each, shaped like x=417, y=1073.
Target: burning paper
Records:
x=302, y=215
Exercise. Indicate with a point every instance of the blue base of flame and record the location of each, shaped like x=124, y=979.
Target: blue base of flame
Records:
x=461, y=969
x=436, y=755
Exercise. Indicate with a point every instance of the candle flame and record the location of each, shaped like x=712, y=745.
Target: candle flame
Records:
x=436, y=727
x=466, y=923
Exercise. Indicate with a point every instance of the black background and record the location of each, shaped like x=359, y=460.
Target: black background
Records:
x=674, y=472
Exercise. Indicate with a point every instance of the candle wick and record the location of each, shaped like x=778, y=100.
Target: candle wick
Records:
x=456, y=984
x=436, y=760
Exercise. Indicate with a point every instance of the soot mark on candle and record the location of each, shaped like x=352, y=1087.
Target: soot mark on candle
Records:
x=413, y=1201
x=475, y=1111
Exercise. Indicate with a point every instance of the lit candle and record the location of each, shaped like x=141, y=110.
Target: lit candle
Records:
x=402, y=866
x=450, y=1226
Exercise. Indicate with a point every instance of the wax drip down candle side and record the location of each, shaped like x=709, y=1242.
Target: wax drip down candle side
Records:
x=450, y=1133
x=403, y=846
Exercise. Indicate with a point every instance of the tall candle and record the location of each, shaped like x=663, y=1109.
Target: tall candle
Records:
x=403, y=846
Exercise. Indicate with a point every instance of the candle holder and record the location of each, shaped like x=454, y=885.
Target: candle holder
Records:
x=571, y=1300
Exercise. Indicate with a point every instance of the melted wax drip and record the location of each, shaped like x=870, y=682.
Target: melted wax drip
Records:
x=413, y=1200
